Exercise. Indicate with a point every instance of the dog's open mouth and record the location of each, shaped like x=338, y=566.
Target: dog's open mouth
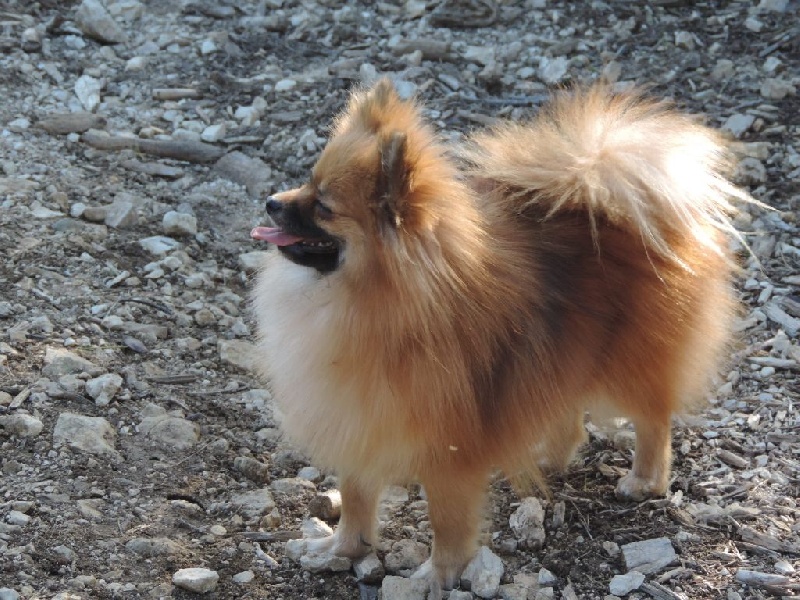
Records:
x=319, y=252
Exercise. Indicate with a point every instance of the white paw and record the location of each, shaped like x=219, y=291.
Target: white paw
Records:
x=426, y=571
x=631, y=487
x=339, y=544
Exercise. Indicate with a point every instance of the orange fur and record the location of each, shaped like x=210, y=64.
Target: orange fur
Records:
x=476, y=315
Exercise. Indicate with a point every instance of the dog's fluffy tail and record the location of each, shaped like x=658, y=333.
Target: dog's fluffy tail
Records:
x=632, y=161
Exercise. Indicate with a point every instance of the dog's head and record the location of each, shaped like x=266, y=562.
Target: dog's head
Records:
x=377, y=181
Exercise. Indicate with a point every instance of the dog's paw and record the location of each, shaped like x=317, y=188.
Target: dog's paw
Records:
x=426, y=572
x=631, y=487
x=440, y=579
x=338, y=544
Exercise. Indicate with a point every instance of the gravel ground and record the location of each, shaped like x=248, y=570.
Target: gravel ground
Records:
x=135, y=141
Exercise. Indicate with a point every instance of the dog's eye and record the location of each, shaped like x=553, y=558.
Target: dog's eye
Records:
x=323, y=211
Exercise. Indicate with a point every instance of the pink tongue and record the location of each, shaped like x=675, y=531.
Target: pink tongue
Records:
x=274, y=235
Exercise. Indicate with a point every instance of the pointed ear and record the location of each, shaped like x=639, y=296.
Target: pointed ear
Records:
x=393, y=178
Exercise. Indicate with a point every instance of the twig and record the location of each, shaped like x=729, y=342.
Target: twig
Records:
x=271, y=536
x=187, y=150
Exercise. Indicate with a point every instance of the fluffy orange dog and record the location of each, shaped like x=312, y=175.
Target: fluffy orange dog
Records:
x=434, y=319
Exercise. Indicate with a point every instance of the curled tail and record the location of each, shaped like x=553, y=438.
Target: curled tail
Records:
x=633, y=161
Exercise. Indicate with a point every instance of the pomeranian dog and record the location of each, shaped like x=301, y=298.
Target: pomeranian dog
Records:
x=433, y=314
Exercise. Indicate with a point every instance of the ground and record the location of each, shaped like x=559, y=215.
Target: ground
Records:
x=187, y=430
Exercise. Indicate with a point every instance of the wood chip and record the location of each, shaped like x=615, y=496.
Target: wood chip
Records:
x=660, y=592
x=734, y=460
x=189, y=151
x=176, y=93
x=326, y=506
x=154, y=169
x=431, y=49
x=767, y=541
x=758, y=578
x=77, y=122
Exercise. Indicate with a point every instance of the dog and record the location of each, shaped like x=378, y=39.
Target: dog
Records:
x=434, y=313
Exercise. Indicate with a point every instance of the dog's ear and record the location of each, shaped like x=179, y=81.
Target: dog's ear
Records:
x=393, y=179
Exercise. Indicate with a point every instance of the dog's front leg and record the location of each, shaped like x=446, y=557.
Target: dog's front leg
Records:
x=356, y=533
x=455, y=502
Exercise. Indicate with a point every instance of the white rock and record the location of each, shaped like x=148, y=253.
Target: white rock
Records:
x=684, y=39
x=8, y=594
x=546, y=578
x=527, y=522
x=87, y=89
x=159, y=244
x=237, y=353
x=102, y=389
x=314, y=528
x=21, y=425
x=120, y=214
x=325, y=562
x=213, y=133
x=784, y=567
x=738, y=124
x=648, y=556
x=76, y=210
x=292, y=486
x=285, y=84
x=484, y=55
x=772, y=6
x=136, y=63
x=553, y=70
x=94, y=435
x=15, y=517
x=406, y=554
x=254, y=503
x=176, y=223
x=509, y=591
x=169, y=430
x=196, y=579
x=369, y=569
x=400, y=588
x=624, y=584
x=244, y=577
x=295, y=549
x=208, y=46
x=94, y=21
x=776, y=89
x=483, y=573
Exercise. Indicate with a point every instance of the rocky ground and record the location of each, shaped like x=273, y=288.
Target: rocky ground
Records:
x=136, y=139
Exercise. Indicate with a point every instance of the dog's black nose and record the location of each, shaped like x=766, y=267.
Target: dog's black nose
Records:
x=273, y=206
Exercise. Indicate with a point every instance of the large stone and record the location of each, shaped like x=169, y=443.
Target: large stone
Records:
x=175, y=223
x=169, y=429
x=196, y=579
x=400, y=588
x=93, y=20
x=94, y=435
x=255, y=503
x=21, y=425
x=238, y=353
x=527, y=523
x=483, y=573
x=624, y=584
x=59, y=362
x=102, y=389
x=649, y=556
